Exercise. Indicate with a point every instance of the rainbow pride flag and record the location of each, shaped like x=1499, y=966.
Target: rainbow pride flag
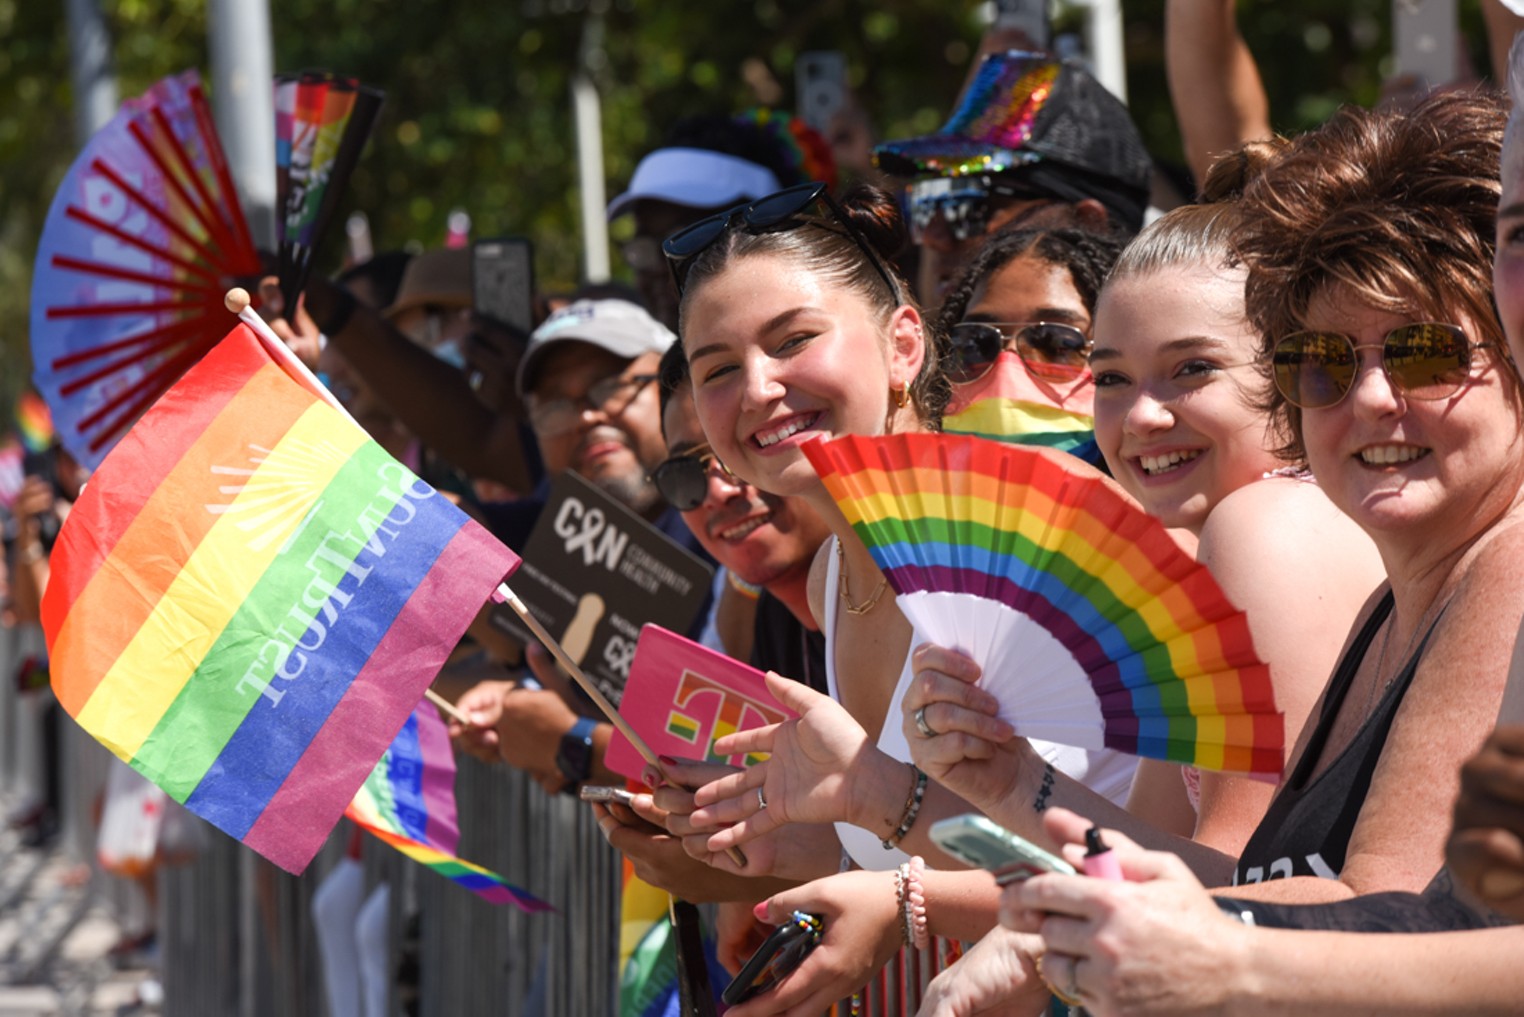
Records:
x=408, y=802
x=251, y=596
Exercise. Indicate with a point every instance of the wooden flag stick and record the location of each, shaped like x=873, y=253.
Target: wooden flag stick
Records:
x=447, y=707
x=564, y=659
x=599, y=700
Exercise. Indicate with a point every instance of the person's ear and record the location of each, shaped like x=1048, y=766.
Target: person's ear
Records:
x=907, y=336
x=1091, y=215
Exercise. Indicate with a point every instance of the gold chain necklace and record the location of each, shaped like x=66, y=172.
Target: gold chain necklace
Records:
x=846, y=593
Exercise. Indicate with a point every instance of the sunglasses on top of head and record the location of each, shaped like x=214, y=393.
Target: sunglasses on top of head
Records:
x=1050, y=350
x=785, y=210
x=1423, y=360
x=683, y=480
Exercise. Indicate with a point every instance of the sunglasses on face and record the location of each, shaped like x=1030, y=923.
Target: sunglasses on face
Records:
x=784, y=210
x=684, y=480
x=963, y=203
x=1424, y=360
x=552, y=418
x=1052, y=350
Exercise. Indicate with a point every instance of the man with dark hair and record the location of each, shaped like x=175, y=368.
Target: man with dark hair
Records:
x=1033, y=141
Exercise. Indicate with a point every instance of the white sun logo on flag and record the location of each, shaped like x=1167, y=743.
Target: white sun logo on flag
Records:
x=271, y=499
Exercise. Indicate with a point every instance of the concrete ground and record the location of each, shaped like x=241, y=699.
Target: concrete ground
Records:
x=55, y=934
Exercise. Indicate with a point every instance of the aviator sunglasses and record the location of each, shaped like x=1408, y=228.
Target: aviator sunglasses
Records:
x=1424, y=360
x=1051, y=350
x=684, y=480
x=776, y=212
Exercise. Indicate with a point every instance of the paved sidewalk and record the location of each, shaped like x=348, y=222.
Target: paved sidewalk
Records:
x=54, y=938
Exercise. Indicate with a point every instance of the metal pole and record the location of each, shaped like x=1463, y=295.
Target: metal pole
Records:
x=242, y=68
x=1103, y=38
x=587, y=115
x=90, y=68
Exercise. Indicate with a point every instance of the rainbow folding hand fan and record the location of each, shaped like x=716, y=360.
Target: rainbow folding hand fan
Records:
x=1093, y=627
x=143, y=238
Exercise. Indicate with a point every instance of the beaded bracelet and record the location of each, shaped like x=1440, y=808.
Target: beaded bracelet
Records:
x=915, y=902
x=902, y=903
x=912, y=809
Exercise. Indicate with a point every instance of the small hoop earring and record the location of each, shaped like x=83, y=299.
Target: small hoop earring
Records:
x=902, y=397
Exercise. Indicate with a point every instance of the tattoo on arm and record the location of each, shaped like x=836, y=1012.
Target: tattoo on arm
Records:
x=1040, y=803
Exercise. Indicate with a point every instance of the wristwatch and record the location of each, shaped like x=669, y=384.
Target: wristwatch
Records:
x=575, y=756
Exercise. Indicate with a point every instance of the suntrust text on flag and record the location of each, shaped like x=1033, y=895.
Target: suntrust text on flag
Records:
x=250, y=597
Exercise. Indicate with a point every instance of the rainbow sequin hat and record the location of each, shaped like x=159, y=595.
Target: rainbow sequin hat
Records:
x=1028, y=114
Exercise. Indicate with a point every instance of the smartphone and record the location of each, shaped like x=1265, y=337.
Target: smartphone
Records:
x=974, y=839
x=820, y=86
x=605, y=794
x=502, y=282
x=780, y=953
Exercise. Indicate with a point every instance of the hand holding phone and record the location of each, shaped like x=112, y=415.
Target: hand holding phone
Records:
x=780, y=953
x=984, y=844
x=604, y=794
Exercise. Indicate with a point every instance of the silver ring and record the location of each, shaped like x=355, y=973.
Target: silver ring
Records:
x=927, y=731
x=761, y=800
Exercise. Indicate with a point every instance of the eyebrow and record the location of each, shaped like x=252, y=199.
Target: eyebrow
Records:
x=771, y=324
x=1509, y=211
x=1187, y=344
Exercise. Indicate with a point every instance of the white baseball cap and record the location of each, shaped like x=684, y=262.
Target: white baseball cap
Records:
x=622, y=328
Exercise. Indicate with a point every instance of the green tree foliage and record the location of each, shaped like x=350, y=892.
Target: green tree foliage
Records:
x=478, y=115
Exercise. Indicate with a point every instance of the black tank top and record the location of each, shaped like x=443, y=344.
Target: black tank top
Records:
x=1306, y=830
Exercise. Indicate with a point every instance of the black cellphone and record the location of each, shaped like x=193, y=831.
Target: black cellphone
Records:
x=502, y=282
x=780, y=953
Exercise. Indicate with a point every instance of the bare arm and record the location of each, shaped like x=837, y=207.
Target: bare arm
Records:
x=432, y=398
x=1302, y=572
x=1213, y=81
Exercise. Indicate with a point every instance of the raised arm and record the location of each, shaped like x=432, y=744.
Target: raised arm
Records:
x=432, y=398
x=1214, y=82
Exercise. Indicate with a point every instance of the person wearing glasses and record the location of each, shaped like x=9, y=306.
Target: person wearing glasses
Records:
x=1367, y=245
x=1017, y=338
x=1033, y=142
x=588, y=381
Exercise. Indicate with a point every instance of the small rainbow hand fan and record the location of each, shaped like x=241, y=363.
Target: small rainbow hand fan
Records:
x=1093, y=627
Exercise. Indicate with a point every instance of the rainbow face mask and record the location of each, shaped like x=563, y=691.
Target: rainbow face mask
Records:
x=1028, y=405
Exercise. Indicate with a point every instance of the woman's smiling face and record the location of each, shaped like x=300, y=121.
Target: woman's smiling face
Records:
x=1176, y=391
x=779, y=357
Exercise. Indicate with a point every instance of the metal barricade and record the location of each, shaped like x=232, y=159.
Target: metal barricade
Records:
x=237, y=935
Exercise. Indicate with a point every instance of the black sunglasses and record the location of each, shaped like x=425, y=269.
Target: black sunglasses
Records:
x=1425, y=360
x=775, y=212
x=1054, y=351
x=684, y=480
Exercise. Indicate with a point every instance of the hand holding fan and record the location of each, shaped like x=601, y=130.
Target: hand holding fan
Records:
x=1092, y=626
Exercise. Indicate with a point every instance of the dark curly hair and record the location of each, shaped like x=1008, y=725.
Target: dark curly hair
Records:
x=831, y=254
x=1396, y=209
x=1087, y=256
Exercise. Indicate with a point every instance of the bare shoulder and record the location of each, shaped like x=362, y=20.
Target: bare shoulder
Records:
x=1270, y=537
